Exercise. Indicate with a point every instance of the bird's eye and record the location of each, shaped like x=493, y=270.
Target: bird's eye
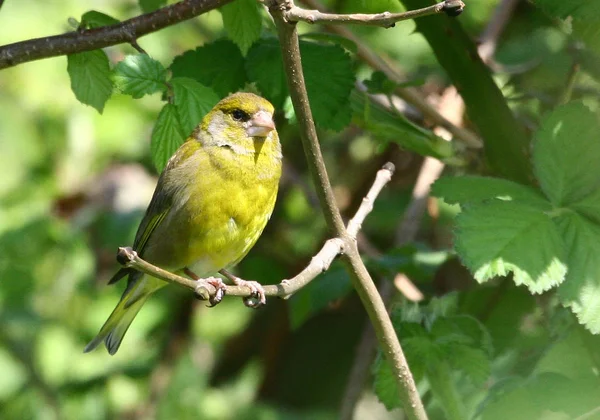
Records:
x=240, y=115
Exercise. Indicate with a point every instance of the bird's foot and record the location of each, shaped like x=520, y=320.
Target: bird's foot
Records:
x=257, y=298
x=216, y=282
x=220, y=287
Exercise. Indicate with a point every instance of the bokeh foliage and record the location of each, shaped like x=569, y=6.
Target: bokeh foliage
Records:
x=76, y=180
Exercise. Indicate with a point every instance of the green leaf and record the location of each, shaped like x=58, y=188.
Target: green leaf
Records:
x=193, y=101
x=264, y=66
x=332, y=285
x=468, y=189
x=94, y=19
x=577, y=9
x=167, y=136
x=139, y=75
x=581, y=289
x=151, y=5
x=561, y=167
x=384, y=383
x=419, y=351
x=90, y=77
x=393, y=126
x=332, y=38
x=328, y=91
x=499, y=237
x=219, y=65
x=574, y=355
x=547, y=395
x=243, y=22
x=379, y=83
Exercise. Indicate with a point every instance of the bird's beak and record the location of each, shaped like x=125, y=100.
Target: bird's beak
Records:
x=261, y=124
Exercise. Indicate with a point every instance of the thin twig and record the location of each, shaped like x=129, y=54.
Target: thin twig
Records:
x=128, y=31
x=385, y=19
x=362, y=281
x=318, y=264
x=410, y=95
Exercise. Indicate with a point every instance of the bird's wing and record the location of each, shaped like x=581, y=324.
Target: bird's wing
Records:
x=158, y=209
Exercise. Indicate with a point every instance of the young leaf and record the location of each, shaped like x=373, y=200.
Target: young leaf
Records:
x=243, y=22
x=95, y=19
x=139, y=75
x=581, y=289
x=167, y=136
x=219, y=65
x=468, y=189
x=90, y=77
x=499, y=237
x=559, y=164
x=192, y=101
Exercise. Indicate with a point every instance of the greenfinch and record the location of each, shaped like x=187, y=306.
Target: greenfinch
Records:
x=211, y=203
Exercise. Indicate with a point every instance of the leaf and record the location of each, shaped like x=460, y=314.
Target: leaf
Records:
x=539, y=397
x=499, y=237
x=468, y=189
x=90, y=77
x=574, y=355
x=332, y=38
x=148, y=6
x=243, y=22
x=384, y=383
x=577, y=9
x=419, y=352
x=379, y=83
x=192, y=101
x=474, y=363
x=393, y=126
x=167, y=136
x=559, y=164
x=328, y=92
x=581, y=289
x=94, y=19
x=139, y=75
x=264, y=66
x=219, y=65
x=332, y=285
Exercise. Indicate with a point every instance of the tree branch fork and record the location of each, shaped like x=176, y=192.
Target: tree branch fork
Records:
x=320, y=263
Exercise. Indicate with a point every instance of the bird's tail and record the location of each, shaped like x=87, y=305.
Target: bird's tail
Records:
x=115, y=327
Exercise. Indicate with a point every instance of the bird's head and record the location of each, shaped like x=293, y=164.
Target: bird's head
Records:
x=238, y=121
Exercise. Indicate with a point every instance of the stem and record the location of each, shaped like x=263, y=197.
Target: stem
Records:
x=385, y=19
x=362, y=281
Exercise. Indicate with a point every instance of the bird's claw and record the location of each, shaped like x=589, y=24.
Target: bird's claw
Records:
x=257, y=297
x=220, y=287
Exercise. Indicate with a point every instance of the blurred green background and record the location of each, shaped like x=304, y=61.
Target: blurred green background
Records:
x=74, y=186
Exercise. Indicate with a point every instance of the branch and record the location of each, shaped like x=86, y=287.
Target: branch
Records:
x=127, y=31
x=362, y=281
x=318, y=264
x=385, y=19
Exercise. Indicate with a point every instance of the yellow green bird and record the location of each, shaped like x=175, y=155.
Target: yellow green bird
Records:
x=211, y=203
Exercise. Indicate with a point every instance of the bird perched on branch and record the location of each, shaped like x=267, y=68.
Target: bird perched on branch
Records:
x=211, y=203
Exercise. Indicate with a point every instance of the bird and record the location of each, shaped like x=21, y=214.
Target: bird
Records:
x=211, y=203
